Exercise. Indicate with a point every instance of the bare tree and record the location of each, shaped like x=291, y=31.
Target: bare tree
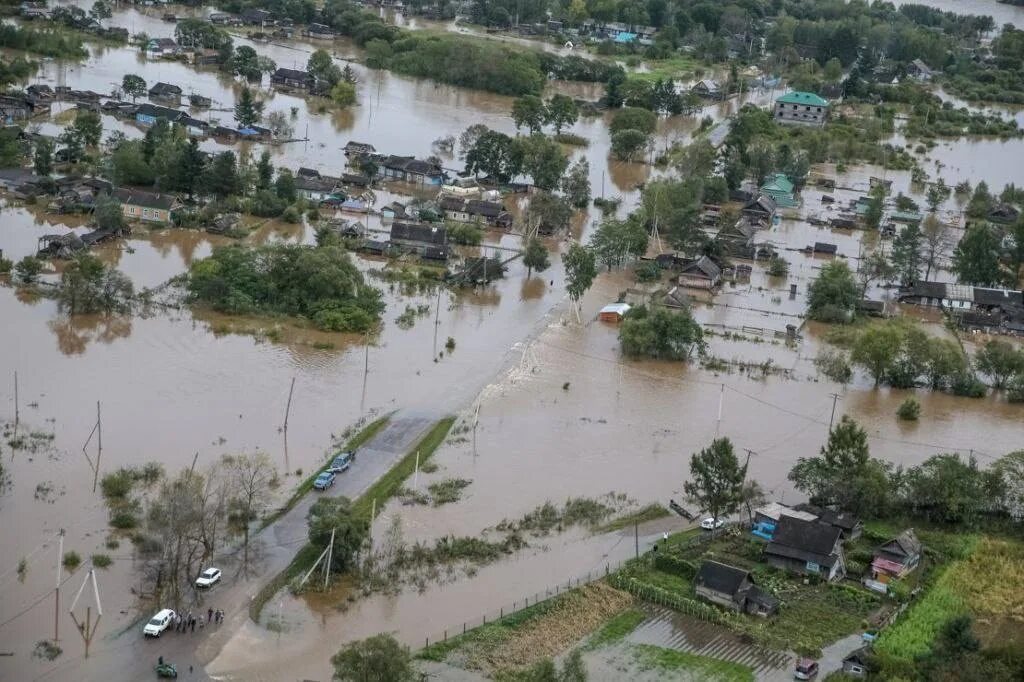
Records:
x=752, y=496
x=251, y=478
x=937, y=243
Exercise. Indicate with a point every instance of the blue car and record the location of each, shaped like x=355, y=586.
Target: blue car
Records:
x=324, y=481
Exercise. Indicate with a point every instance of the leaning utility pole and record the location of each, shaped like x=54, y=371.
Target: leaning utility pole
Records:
x=327, y=565
x=835, y=397
x=99, y=446
x=288, y=408
x=17, y=411
x=88, y=628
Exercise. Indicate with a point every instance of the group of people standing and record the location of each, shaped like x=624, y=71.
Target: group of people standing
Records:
x=187, y=622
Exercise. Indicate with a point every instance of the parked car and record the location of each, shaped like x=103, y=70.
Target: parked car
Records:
x=341, y=462
x=806, y=669
x=208, y=578
x=325, y=480
x=711, y=523
x=158, y=623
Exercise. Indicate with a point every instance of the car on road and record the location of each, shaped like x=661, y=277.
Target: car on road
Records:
x=806, y=669
x=208, y=578
x=711, y=523
x=158, y=623
x=342, y=462
x=325, y=480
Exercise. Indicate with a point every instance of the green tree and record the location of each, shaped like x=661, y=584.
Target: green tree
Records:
x=935, y=244
x=529, y=112
x=561, y=112
x=221, y=176
x=245, y=62
x=833, y=70
x=580, y=271
x=87, y=286
x=535, y=257
x=872, y=268
x=873, y=216
x=109, y=214
x=615, y=241
x=634, y=118
x=907, y=258
x=322, y=67
x=1016, y=254
x=284, y=186
x=186, y=174
x=661, y=334
x=833, y=296
x=937, y=193
x=876, y=350
x=88, y=127
x=1000, y=360
x=27, y=270
x=548, y=213
x=334, y=514
x=981, y=201
x=576, y=184
x=976, y=257
x=248, y=110
x=945, y=362
x=628, y=144
x=343, y=94
x=845, y=474
x=543, y=160
x=134, y=86
x=1009, y=470
x=42, y=161
x=716, y=479
x=376, y=659
x=946, y=489
x=264, y=171
x=496, y=155
x=100, y=10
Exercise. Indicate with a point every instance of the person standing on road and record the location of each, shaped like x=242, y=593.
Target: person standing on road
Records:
x=192, y=624
x=209, y=615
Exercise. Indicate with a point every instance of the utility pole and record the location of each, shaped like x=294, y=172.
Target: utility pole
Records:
x=416, y=474
x=87, y=629
x=330, y=553
x=476, y=420
x=17, y=410
x=99, y=446
x=56, y=589
x=721, y=399
x=288, y=408
x=636, y=538
x=835, y=397
x=366, y=370
x=437, y=310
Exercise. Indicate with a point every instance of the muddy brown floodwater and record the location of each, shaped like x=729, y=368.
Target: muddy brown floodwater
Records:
x=172, y=384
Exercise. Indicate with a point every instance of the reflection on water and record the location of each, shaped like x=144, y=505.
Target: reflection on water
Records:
x=75, y=333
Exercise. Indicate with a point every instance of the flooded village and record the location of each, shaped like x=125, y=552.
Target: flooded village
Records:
x=482, y=341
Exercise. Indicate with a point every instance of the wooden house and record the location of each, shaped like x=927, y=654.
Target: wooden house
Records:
x=167, y=92
x=857, y=663
x=896, y=558
x=733, y=588
x=292, y=78
x=419, y=238
x=766, y=518
x=708, y=89
x=613, y=312
x=762, y=207
x=848, y=524
x=779, y=187
x=146, y=206
x=702, y=273
x=807, y=547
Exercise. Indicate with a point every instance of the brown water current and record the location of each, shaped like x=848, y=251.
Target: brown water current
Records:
x=173, y=383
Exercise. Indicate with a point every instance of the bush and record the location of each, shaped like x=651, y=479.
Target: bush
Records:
x=834, y=365
x=291, y=215
x=910, y=410
x=71, y=560
x=675, y=566
x=461, y=233
x=647, y=271
x=969, y=386
x=1015, y=390
x=101, y=561
x=123, y=520
x=778, y=267
x=6, y=266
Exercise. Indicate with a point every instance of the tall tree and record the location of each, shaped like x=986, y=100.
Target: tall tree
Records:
x=89, y=127
x=495, y=154
x=535, y=257
x=322, y=67
x=221, y=176
x=264, y=171
x=529, y=112
x=716, y=483
x=1016, y=255
x=561, y=112
x=187, y=172
x=937, y=193
x=580, y=271
x=616, y=241
x=134, y=86
x=248, y=110
x=251, y=479
x=876, y=350
x=906, y=253
x=935, y=244
x=1000, y=360
x=42, y=161
x=334, y=515
x=976, y=257
x=576, y=185
x=873, y=268
x=543, y=160
x=832, y=297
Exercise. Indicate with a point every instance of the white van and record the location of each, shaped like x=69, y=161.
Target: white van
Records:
x=158, y=623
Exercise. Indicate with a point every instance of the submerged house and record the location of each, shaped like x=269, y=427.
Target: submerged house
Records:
x=807, y=547
x=146, y=206
x=780, y=189
x=149, y=114
x=292, y=78
x=733, y=588
x=412, y=170
x=318, y=187
x=708, y=89
x=165, y=91
x=422, y=239
x=702, y=273
x=762, y=208
x=161, y=47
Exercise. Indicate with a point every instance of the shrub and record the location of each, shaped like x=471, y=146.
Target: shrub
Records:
x=291, y=215
x=969, y=386
x=101, y=561
x=778, y=267
x=450, y=344
x=6, y=266
x=647, y=271
x=112, y=542
x=1015, y=390
x=461, y=233
x=834, y=365
x=123, y=520
x=71, y=560
x=909, y=410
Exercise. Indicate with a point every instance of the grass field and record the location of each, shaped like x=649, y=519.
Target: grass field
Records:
x=699, y=667
x=677, y=67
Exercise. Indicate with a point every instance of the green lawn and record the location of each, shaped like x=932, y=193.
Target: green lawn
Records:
x=673, y=68
x=616, y=629
x=648, y=513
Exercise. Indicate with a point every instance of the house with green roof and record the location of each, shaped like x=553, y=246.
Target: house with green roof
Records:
x=779, y=187
x=804, y=108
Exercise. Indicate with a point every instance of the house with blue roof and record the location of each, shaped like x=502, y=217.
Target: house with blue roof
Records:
x=803, y=108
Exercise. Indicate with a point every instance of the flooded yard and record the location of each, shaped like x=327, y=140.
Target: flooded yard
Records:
x=561, y=413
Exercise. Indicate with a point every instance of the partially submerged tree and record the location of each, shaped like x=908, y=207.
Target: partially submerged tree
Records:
x=580, y=271
x=134, y=86
x=334, y=515
x=660, y=333
x=536, y=256
x=376, y=659
x=251, y=479
x=832, y=297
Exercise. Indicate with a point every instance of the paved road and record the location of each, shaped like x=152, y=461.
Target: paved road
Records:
x=128, y=656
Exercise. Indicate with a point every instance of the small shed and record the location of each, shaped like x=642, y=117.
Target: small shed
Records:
x=733, y=588
x=857, y=662
x=613, y=312
x=702, y=273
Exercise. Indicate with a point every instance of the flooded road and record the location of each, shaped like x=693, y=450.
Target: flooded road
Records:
x=560, y=413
